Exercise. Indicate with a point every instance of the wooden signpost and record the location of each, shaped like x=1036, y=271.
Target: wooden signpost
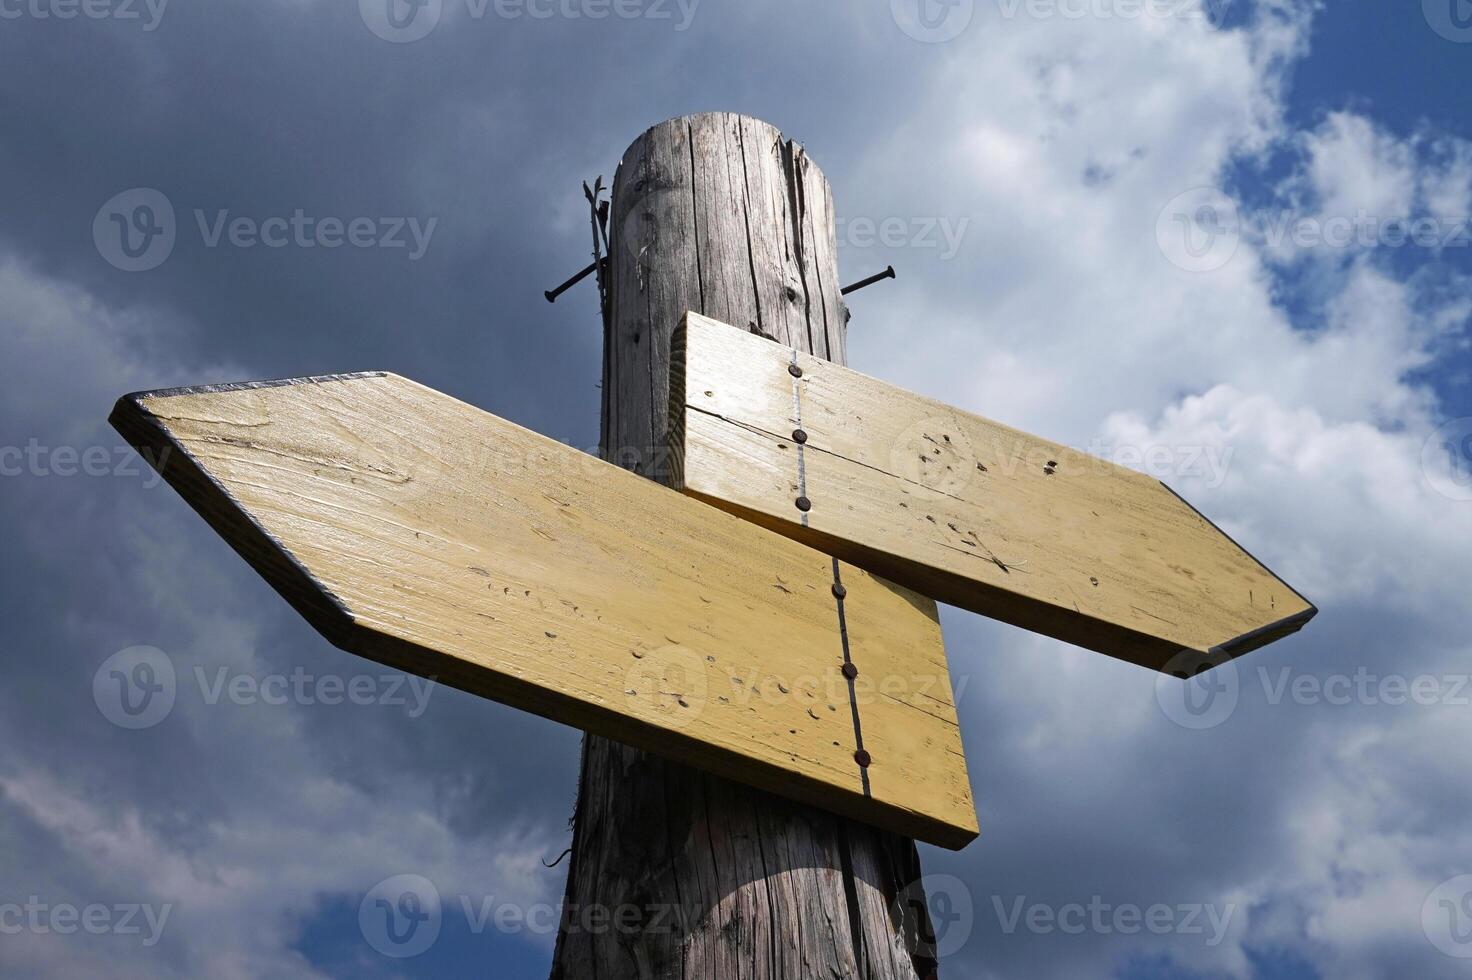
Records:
x=963, y=509
x=423, y=533
x=706, y=652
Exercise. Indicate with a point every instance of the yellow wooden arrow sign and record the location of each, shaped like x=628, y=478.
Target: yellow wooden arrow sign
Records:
x=963, y=509
x=428, y=535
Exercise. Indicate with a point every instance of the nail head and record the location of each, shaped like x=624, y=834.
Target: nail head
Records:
x=804, y=504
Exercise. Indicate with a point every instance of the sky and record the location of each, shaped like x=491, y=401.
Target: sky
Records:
x=1224, y=241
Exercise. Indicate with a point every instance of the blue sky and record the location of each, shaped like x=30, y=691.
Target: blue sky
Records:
x=1136, y=255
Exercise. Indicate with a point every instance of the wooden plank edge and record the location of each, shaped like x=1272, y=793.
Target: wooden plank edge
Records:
x=147, y=434
x=675, y=416
x=340, y=627
x=1249, y=641
x=139, y=396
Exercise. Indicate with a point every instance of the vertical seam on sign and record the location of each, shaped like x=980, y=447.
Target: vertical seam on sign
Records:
x=802, y=465
x=853, y=699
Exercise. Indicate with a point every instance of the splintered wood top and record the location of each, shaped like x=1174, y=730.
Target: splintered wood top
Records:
x=426, y=534
x=962, y=509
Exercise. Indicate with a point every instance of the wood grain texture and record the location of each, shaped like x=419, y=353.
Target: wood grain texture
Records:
x=962, y=509
x=763, y=888
x=424, y=533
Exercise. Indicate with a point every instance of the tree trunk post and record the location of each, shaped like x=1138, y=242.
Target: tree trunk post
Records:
x=675, y=872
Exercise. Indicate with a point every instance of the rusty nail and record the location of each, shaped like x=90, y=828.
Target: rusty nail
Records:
x=794, y=370
x=552, y=294
x=804, y=504
x=839, y=591
x=888, y=273
x=799, y=436
x=863, y=759
x=850, y=671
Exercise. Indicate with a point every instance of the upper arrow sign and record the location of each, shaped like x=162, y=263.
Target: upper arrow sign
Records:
x=431, y=536
x=963, y=509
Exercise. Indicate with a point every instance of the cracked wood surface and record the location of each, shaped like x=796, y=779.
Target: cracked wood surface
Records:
x=720, y=213
x=440, y=539
x=962, y=509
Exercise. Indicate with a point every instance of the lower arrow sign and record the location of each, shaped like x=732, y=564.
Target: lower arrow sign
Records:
x=421, y=532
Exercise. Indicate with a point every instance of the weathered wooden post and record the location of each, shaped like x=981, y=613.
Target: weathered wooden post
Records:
x=719, y=213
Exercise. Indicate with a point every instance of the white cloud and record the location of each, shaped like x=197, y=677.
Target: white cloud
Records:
x=1446, y=183
x=1354, y=166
